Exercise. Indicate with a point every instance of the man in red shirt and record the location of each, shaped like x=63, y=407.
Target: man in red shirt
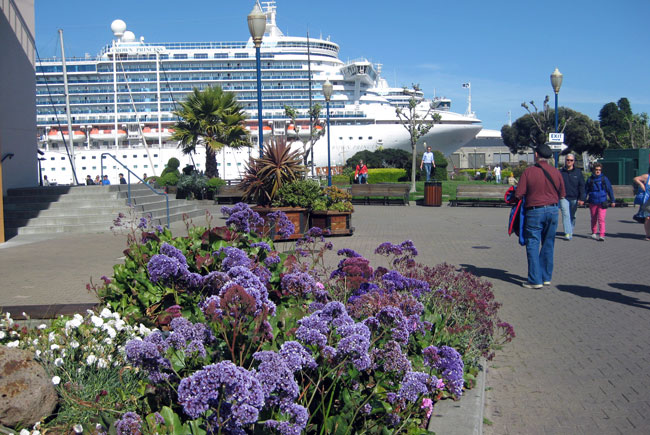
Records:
x=543, y=186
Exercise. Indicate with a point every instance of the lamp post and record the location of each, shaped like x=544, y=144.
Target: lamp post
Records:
x=556, y=82
x=327, y=92
x=257, y=26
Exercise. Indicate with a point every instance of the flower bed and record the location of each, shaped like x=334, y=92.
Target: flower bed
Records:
x=219, y=332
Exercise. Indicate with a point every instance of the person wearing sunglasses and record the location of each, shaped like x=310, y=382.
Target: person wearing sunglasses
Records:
x=598, y=189
x=574, y=185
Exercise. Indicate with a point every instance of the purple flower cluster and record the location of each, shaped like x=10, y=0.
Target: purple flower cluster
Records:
x=403, y=253
x=129, y=424
x=242, y=218
x=354, y=339
x=272, y=260
x=251, y=283
x=262, y=245
x=393, y=318
x=390, y=358
x=299, y=284
x=189, y=337
x=395, y=281
x=233, y=257
x=415, y=384
x=297, y=420
x=165, y=269
x=283, y=226
x=242, y=396
x=449, y=363
x=148, y=354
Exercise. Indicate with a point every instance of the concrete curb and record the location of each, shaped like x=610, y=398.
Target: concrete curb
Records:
x=465, y=416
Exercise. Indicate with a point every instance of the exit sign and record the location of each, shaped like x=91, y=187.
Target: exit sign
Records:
x=556, y=137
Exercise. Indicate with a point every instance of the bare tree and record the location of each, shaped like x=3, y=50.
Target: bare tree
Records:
x=417, y=126
x=308, y=141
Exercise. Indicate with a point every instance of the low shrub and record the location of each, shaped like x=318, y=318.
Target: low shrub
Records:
x=385, y=175
x=300, y=193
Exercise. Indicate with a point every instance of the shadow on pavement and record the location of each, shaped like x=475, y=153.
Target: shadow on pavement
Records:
x=639, y=236
x=487, y=272
x=637, y=288
x=588, y=292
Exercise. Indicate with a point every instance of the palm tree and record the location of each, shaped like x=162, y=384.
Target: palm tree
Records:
x=213, y=118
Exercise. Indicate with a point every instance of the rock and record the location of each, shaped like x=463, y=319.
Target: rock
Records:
x=26, y=391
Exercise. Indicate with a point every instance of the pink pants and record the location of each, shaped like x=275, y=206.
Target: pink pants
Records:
x=598, y=215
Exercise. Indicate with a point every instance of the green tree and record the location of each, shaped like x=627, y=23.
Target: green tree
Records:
x=623, y=128
x=581, y=134
x=213, y=118
x=417, y=125
x=307, y=141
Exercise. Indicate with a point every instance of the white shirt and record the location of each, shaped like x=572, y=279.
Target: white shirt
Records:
x=427, y=157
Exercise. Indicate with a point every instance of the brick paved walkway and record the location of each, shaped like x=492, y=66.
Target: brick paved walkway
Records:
x=580, y=362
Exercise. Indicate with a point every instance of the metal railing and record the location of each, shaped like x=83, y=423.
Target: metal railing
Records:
x=128, y=182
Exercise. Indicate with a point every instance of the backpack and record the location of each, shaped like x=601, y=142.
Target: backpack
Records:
x=517, y=214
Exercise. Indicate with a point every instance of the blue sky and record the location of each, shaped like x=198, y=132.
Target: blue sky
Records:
x=507, y=49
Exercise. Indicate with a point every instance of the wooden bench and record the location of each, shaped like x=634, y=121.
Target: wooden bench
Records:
x=385, y=191
x=480, y=195
x=230, y=193
x=621, y=192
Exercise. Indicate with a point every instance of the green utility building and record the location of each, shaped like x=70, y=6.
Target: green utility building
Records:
x=621, y=166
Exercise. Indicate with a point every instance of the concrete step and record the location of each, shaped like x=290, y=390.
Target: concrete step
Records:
x=111, y=209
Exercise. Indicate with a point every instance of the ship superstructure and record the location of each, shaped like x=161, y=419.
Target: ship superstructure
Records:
x=122, y=102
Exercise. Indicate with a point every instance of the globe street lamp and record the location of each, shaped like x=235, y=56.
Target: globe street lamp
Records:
x=327, y=92
x=556, y=82
x=257, y=26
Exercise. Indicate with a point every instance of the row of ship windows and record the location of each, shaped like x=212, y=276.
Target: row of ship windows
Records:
x=94, y=168
x=152, y=79
x=176, y=66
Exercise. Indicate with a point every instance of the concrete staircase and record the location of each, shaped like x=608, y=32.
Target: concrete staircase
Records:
x=82, y=209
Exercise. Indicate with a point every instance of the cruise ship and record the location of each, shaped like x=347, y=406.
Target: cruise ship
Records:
x=122, y=101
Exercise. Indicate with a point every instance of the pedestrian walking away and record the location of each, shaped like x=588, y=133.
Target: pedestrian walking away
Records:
x=497, y=174
x=543, y=187
x=598, y=190
x=574, y=184
x=361, y=173
x=428, y=161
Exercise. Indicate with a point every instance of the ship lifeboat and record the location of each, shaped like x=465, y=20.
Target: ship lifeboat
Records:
x=303, y=130
x=97, y=134
x=54, y=135
x=152, y=133
x=253, y=129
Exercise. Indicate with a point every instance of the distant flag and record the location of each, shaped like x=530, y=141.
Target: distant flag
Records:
x=466, y=85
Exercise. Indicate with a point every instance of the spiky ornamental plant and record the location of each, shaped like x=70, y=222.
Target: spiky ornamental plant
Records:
x=264, y=176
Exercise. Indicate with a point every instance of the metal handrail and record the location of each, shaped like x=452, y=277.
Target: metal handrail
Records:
x=128, y=181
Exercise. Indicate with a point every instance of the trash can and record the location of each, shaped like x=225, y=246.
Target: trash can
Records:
x=432, y=194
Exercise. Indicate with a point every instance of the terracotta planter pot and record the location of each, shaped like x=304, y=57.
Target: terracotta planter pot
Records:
x=297, y=216
x=338, y=222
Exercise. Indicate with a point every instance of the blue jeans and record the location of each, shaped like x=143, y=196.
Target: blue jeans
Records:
x=427, y=169
x=363, y=178
x=568, y=208
x=539, y=232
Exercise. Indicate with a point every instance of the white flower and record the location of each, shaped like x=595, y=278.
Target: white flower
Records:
x=143, y=330
x=56, y=380
x=24, y=432
x=97, y=321
x=55, y=346
x=13, y=333
x=37, y=353
x=35, y=341
x=90, y=360
x=13, y=343
x=106, y=313
x=51, y=336
x=78, y=428
x=58, y=362
x=110, y=331
x=2, y=335
x=42, y=326
x=37, y=425
x=101, y=363
x=36, y=432
x=76, y=321
x=108, y=340
x=74, y=344
x=119, y=324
